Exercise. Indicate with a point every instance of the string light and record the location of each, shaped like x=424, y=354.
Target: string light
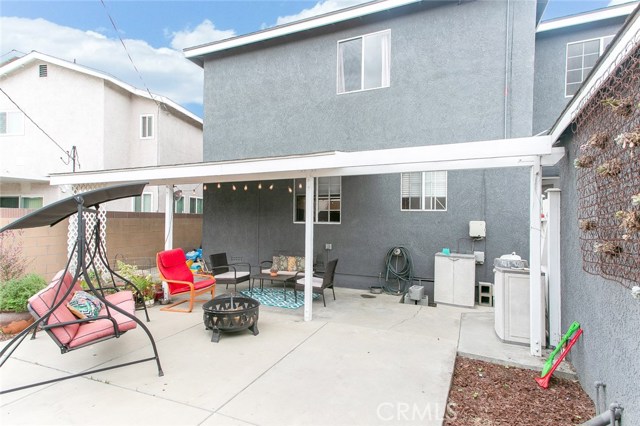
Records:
x=233, y=187
x=300, y=185
x=290, y=190
x=204, y=186
x=219, y=185
x=270, y=187
x=246, y=187
x=260, y=185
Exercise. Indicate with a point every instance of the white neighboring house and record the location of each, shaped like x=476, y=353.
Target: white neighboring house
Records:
x=110, y=124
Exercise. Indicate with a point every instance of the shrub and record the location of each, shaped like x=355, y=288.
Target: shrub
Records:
x=15, y=293
x=12, y=263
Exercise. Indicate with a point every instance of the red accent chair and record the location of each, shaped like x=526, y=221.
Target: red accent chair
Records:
x=172, y=266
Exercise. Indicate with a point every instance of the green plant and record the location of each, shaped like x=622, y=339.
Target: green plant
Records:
x=144, y=283
x=15, y=293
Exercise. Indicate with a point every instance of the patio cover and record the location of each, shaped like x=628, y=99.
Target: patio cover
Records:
x=60, y=210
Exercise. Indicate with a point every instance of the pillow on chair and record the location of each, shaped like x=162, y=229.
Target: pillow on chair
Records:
x=84, y=305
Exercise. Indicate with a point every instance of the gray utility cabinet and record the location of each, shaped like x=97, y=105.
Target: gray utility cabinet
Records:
x=455, y=279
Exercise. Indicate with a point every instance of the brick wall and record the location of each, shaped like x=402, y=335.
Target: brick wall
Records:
x=132, y=236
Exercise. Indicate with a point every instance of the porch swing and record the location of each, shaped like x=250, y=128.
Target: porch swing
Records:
x=115, y=300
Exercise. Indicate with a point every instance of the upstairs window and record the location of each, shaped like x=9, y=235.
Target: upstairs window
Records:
x=146, y=126
x=425, y=191
x=364, y=62
x=11, y=123
x=327, y=203
x=581, y=57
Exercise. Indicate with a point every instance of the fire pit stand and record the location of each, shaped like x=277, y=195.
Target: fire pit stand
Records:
x=229, y=312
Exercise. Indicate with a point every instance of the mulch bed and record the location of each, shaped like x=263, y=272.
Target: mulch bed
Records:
x=488, y=394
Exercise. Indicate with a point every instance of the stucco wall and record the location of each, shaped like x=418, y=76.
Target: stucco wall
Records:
x=448, y=69
x=256, y=224
x=608, y=349
x=447, y=85
x=550, y=66
x=132, y=236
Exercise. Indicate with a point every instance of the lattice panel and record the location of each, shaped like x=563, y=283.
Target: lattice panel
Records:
x=607, y=139
x=90, y=223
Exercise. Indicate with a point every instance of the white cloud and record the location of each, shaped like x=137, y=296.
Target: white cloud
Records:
x=319, y=8
x=165, y=71
x=204, y=33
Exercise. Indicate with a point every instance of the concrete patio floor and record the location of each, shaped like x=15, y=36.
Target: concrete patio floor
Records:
x=361, y=361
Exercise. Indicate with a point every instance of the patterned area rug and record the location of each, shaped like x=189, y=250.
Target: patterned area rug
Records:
x=275, y=297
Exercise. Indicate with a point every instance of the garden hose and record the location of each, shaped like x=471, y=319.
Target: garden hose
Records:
x=399, y=266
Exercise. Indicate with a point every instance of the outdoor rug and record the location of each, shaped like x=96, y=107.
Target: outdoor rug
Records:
x=275, y=297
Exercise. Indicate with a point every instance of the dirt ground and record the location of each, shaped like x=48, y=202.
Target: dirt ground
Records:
x=485, y=394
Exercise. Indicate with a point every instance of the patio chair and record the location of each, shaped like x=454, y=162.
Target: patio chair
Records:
x=228, y=273
x=320, y=283
x=173, y=269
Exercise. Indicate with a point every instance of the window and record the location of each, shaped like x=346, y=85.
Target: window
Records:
x=424, y=191
x=21, y=202
x=179, y=205
x=142, y=203
x=581, y=57
x=11, y=123
x=30, y=202
x=10, y=202
x=327, y=201
x=146, y=126
x=195, y=205
x=364, y=62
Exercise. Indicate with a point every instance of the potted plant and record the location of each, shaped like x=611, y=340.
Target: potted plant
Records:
x=14, y=295
x=144, y=283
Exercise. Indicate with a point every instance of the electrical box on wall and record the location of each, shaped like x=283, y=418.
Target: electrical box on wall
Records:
x=477, y=229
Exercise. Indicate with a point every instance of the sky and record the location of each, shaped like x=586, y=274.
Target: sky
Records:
x=155, y=32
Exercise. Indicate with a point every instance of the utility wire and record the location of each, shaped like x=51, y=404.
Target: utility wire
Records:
x=36, y=124
x=115, y=27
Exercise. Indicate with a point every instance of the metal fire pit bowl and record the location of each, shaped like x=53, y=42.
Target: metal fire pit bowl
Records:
x=229, y=312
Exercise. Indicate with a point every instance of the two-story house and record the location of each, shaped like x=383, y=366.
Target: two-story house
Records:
x=407, y=75
x=57, y=116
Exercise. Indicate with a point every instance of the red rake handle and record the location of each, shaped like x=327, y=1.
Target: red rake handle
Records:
x=544, y=381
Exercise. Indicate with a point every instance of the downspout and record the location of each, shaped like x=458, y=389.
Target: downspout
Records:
x=507, y=68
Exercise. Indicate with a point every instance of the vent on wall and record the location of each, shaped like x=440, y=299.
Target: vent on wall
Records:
x=42, y=70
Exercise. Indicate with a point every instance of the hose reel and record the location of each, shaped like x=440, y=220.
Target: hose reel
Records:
x=399, y=267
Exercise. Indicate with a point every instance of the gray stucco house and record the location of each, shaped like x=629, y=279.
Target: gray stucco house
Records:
x=408, y=74
x=411, y=74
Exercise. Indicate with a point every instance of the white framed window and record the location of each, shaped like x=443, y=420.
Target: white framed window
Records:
x=146, y=126
x=425, y=191
x=18, y=201
x=195, y=205
x=11, y=123
x=581, y=57
x=143, y=203
x=327, y=203
x=364, y=62
x=179, y=205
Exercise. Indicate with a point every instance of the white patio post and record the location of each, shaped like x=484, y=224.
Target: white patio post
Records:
x=536, y=309
x=553, y=262
x=168, y=218
x=308, y=247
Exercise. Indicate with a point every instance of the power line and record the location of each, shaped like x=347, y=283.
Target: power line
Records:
x=115, y=27
x=37, y=125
